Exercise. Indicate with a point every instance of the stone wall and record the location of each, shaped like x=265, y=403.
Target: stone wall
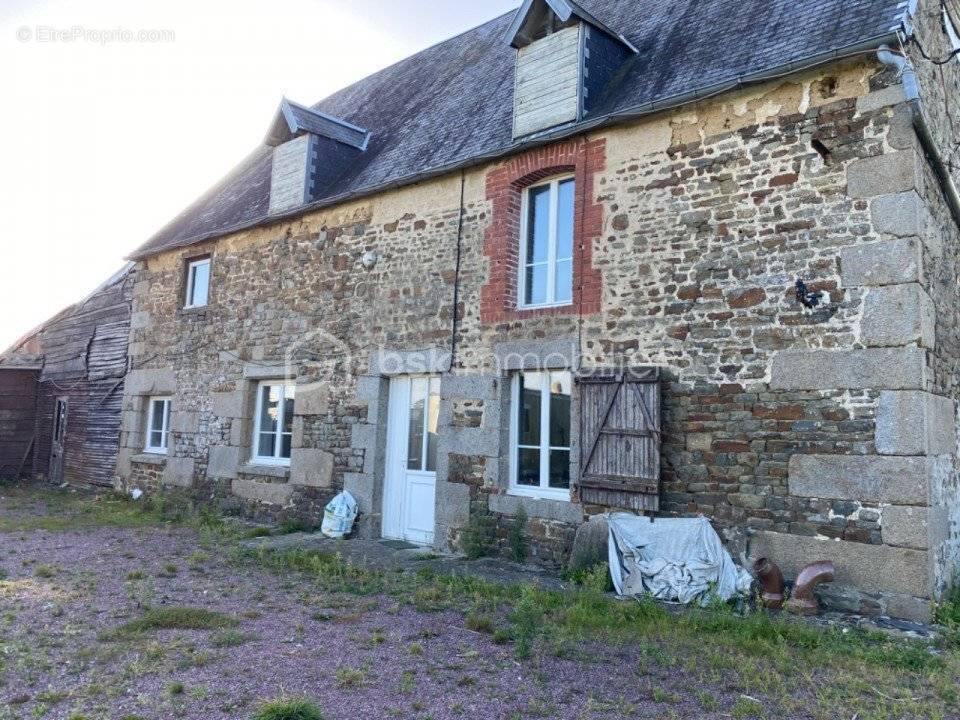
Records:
x=791, y=428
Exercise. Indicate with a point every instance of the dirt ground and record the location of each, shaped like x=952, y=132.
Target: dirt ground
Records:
x=73, y=572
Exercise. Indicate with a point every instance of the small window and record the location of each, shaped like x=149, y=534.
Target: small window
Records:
x=198, y=283
x=546, y=250
x=273, y=423
x=158, y=426
x=540, y=429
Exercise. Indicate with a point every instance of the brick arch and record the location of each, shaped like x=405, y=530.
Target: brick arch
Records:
x=505, y=186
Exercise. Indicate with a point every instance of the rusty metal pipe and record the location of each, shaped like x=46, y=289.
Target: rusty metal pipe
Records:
x=771, y=580
x=803, y=601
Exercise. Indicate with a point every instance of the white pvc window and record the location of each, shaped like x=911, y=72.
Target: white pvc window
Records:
x=158, y=426
x=546, y=244
x=540, y=434
x=273, y=423
x=198, y=283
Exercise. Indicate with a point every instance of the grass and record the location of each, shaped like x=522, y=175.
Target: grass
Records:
x=66, y=511
x=288, y=710
x=734, y=665
x=172, y=618
x=350, y=678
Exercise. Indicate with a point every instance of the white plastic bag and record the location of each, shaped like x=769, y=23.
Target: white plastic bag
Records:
x=339, y=515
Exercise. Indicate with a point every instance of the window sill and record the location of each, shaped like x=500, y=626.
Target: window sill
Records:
x=198, y=311
x=149, y=458
x=281, y=472
x=547, y=306
x=564, y=511
x=539, y=494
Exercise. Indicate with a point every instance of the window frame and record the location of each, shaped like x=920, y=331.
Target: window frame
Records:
x=543, y=491
x=192, y=264
x=278, y=460
x=164, y=447
x=554, y=184
x=431, y=382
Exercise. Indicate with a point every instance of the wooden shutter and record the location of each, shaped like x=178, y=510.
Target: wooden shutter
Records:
x=620, y=440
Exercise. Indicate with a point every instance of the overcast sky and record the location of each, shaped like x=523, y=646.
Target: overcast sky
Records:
x=104, y=141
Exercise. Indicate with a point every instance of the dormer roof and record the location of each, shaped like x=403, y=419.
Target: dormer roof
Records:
x=532, y=16
x=293, y=120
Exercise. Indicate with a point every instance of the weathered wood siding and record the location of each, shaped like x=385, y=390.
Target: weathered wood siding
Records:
x=85, y=361
x=547, y=90
x=18, y=406
x=290, y=178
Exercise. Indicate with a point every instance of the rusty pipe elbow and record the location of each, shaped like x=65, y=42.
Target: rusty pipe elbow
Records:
x=803, y=601
x=771, y=582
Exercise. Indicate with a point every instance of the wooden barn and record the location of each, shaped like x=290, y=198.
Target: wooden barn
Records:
x=18, y=416
x=80, y=362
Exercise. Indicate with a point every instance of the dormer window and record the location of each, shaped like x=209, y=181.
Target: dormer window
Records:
x=566, y=58
x=546, y=251
x=310, y=151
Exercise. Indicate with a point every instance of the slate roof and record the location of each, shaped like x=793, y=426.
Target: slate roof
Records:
x=293, y=118
x=451, y=105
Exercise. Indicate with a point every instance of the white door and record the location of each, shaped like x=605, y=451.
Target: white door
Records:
x=410, y=487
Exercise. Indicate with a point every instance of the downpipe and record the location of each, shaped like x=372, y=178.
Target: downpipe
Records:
x=771, y=583
x=911, y=89
x=803, y=601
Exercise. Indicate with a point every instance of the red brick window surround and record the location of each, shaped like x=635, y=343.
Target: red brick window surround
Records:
x=505, y=186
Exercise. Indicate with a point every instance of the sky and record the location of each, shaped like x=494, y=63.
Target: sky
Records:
x=117, y=114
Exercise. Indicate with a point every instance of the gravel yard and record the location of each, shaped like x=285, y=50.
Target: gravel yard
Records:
x=100, y=617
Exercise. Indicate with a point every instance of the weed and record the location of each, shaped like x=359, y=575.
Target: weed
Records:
x=516, y=541
x=407, y=683
x=501, y=636
x=948, y=613
x=348, y=677
x=746, y=707
x=290, y=527
x=289, y=710
x=44, y=571
x=3, y=574
x=172, y=618
x=479, y=623
x=707, y=701
x=175, y=688
x=526, y=617
x=135, y=575
x=229, y=638
x=257, y=532
x=477, y=537
x=416, y=649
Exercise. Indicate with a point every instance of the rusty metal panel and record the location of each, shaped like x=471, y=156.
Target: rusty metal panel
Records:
x=620, y=432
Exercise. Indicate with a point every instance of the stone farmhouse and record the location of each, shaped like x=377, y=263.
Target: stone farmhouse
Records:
x=695, y=257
